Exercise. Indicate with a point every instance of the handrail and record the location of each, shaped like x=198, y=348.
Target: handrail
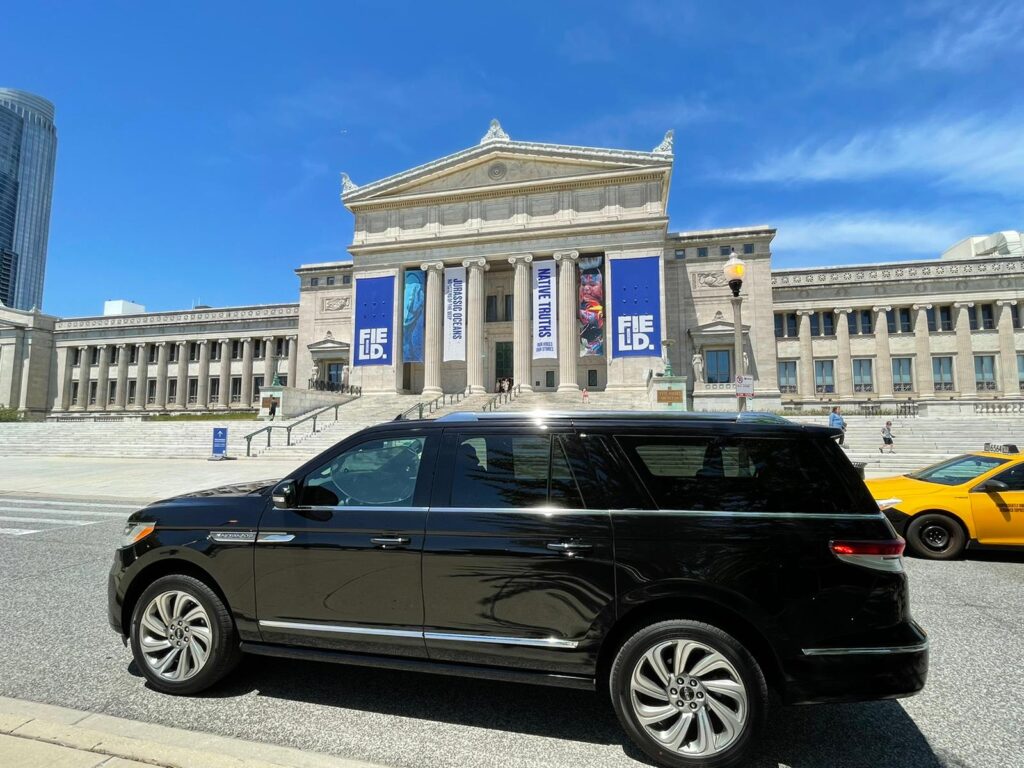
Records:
x=502, y=397
x=313, y=415
x=429, y=406
x=326, y=385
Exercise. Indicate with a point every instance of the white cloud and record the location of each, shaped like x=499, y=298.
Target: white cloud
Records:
x=969, y=34
x=985, y=153
x=866, y=235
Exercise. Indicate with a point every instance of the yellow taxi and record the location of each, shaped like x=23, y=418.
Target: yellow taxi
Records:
x=972, y=500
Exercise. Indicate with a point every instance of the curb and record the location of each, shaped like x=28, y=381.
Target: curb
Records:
x=155, y=745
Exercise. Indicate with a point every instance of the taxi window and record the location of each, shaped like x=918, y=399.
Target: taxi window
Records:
x=1013, y=477
x=957, y=471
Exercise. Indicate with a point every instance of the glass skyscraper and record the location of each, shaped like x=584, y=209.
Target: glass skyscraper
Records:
x=28, y=150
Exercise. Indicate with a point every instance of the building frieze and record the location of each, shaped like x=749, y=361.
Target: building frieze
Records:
x=895, y=272
x=179, y=318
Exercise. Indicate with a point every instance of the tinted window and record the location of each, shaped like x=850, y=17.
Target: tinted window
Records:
x=742, y=474
x=506, y=470
x=1013, y=477
x=379, y=473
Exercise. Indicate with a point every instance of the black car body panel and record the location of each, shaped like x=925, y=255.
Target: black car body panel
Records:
x=541, y=591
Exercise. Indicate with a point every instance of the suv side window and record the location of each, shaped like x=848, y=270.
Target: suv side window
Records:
x=737, y=474
x=377, y=473
x=508, y=470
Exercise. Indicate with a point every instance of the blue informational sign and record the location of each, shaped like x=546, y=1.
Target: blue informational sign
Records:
x=220, y=441
x=375, y=311
x=636, y=307
x=413, y=316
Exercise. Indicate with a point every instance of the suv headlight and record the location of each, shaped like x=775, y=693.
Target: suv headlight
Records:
x=134, y=532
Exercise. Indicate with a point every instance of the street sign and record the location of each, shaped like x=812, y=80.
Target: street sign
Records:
x=670, y=395
x=744, y=386
x=220, y=441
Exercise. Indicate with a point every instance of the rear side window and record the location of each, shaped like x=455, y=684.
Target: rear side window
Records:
x=738, y=474
x=495, y=471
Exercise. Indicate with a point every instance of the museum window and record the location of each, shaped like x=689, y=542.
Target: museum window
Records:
x=259, y=349
x=702, y=253
x=549, y=379
x=92, y=392
x=1020, y=372
x=257, y=385
x=680, y=253
x=346, y=279
x=214, y=390
x=151, y=350
x=899, y=320
x=193, y=351
x=133, y=355
x=942, y=374
x=281, y=347
x=132, y=389
x=94, y=355
x=780, y=330
x=115, y=355
x=592, y=377
x=330, y=280
x=946, y=318
x=172, y=390
x=492, y=309
x=824, y=377
x=863, y=381
x=74, y=393
x=1015, y=315
x=902, y=374
x=193, y=391
x=151, y=391
x=510, y=313
x=724, y=250
x=314, y=282
x=111, y=392
x=236, y=389
x=215, y=351
x=983, y=318
x=283, y=378
x=985, y=373
x=859, y=322
x=172, y=355
x=786, y=325
x=718, y=364
x=787, y=376
x=823, y=324
x=748, y=248
x=236, y=349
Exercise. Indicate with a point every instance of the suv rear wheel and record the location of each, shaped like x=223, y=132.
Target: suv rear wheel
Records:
x=183, y=637
x=688, y=694
x=936, y=537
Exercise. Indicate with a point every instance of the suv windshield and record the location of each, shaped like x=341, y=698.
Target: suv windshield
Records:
x=956, y=471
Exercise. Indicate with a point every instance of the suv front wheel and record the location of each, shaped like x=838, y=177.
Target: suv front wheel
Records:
x=688, y=694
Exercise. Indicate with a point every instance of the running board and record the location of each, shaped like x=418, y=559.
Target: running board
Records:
x=420, y=665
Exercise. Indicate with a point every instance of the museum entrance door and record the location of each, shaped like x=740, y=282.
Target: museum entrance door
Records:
x=503, y=360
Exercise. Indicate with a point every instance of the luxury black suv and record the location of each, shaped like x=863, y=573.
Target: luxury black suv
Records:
x=686, y=564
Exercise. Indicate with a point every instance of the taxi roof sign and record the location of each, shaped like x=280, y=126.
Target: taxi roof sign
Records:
x=1001, y=448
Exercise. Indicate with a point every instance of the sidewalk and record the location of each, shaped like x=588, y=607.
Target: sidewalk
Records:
x=43, y=736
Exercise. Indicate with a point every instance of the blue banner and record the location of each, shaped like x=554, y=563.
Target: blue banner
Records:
x=413, y=314
x=636, y=307
x=220, y=441
x=375, y=310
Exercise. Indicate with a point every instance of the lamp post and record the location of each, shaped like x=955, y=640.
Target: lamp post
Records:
x=667, y=344
x=735, y=270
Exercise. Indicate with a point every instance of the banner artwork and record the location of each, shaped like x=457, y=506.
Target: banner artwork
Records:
x=545, y=334
x=591, y=306
x=375, y=307
x=413, y=315
x=636, y=310
x=454, y=313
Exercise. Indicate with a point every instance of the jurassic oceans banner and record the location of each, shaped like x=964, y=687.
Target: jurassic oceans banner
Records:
x=413, y=314
x=636, y=310
x=454, y=313
x=545, y=334
x=591, y=305
x=375, y=307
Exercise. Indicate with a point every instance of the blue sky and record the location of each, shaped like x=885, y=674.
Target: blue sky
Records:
x=201, y=143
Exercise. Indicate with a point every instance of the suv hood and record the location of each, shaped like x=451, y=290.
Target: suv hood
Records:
x=251, y=488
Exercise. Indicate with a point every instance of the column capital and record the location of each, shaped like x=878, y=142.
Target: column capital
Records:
x=84, y=348
x=919, y=307
x=476, y=263
x=1006, y=302
x=569, y=256
x=293, y=337
x=181, y=343
x=223, y=341
x=429, y=265
x=268, y=339
x=159, y=344
x=203, y=342
x=843, y=310
x=887, y=308
x=520, y=258
x=121, y=346
x=806, y=312
x=963, y=304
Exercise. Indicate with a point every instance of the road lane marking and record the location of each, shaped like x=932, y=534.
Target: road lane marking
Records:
x=16, y=531
x=68, y=503
x=55, y=521
x=90, y=512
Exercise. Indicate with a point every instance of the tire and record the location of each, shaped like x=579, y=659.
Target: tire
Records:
x=936, y=537
x=728, y=680
x=194, y=649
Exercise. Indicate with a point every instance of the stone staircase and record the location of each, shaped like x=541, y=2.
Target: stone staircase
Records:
x=627, y=400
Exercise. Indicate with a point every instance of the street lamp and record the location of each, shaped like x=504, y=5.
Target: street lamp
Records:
x=667, y=344
x=735, y=270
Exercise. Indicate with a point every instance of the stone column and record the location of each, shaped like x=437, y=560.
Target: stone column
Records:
x=476, y=299
x=568, y=335
x=141, y=377
x=923, y=353
x=433, y=347
x=181, y=376
x=121, y=392
x=964, y=350
x=203, y=389
x=246, y=374
x=102, y=378
x=1007, y=348
x=224, y=399
x=805, y=375
x=162, y=353
x=269, y=361
x=844, y=361
x=293, y=361
x=883, y=358
x=522, y=348
x=84, y=364
x=65, y=370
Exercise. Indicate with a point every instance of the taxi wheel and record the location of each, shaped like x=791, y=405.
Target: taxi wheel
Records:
x=936, y=537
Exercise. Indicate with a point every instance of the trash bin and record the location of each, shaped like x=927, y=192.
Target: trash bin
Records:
x=859, y=466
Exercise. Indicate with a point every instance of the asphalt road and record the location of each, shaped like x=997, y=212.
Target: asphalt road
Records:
x=55, y=647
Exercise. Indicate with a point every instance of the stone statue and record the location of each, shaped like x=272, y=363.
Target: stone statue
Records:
x=314, y=372
x=746, y=363
x=665, y=148
x=347, y=185
x=495, y=133
x=698, y=366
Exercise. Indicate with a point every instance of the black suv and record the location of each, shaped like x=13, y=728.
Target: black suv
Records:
x=686, y=564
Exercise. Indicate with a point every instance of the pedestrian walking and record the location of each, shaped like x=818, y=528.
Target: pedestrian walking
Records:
x=586, y=396
x=837, y=421
x=273, y=408
x=887, y=441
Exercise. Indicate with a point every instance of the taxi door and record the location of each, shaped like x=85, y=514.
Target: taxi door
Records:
x=999, y=513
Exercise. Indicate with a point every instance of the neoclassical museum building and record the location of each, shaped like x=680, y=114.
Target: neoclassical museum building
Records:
x=551, y=267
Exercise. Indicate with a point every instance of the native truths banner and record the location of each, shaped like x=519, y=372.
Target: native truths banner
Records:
x=545, y=334
x=454, y=313
x=413, y=314
x=636, y=309
x=375, y=308
x=591, y=306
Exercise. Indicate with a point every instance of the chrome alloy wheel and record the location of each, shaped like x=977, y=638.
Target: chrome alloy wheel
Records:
x=689, y=698
x=175, y=635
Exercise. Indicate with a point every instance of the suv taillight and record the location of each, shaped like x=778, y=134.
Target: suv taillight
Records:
x=882, y=555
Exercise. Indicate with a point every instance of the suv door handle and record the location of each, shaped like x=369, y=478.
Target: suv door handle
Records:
x=569, y=547
x=390, y=541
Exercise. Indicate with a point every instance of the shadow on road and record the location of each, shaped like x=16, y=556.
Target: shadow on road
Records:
x=875, y=734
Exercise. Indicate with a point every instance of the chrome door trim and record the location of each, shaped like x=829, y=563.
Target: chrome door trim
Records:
x=883, y=650
x=764, y=515
x=546, y=642
x=274, y=537
x=339, y=629
x=232, y=537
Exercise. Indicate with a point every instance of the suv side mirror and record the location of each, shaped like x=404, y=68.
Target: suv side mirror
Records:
x=992, y=486
x=284, y=494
